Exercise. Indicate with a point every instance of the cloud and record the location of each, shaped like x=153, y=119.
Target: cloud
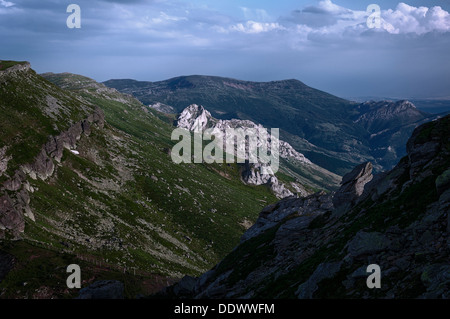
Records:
x=163, y=38
x=253, y=27
x=328, y=22
x=6, y=3
x=164, y=18
x=409, y=19
x=326, y=7
x=255, y=14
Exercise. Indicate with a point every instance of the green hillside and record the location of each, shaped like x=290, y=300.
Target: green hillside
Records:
x=118, y=199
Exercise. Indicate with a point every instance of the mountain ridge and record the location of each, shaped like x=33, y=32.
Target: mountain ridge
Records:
x=315, y=123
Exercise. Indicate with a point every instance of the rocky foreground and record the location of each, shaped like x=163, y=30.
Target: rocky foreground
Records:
x=320, y=246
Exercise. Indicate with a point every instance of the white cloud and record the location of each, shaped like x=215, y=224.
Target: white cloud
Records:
x=409, y=19
x=6, y=3
x=326, y=6
x=256, y=27
x=165, y=18
x=329, y=19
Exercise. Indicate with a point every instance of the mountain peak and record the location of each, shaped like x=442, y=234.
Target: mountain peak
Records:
x=194, y=118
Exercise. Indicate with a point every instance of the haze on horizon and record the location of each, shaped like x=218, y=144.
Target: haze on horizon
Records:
x=325, y=44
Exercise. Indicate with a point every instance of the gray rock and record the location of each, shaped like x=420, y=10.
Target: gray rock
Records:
x=14, y=207
x=103, y=289
x=11, y=220
x=196, y=118
x=323, y=271
x=15, y=183
x=352, y=185
x=4, y=160
x=437, y=280
x=367, y=243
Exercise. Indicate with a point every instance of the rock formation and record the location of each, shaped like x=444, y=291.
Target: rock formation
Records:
x=352, y=185
x=14, y=204
x=196, y=118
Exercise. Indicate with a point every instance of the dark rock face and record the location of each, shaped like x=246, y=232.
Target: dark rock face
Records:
x=323, y=271
x=353, y=185
x=271, y=215
x=104, y=289
x=186, y=286
x=367, y=243
x=14, y=207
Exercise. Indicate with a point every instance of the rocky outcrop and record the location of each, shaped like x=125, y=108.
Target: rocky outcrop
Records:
x=14, y=205
x=11, y=219
x=19, y=67
x=163, y=108
x=196, y=118
x=367, y=243
x=4, y=159
x=353, y=185
x=310, y=206
x=103, y=289
x=251, y=175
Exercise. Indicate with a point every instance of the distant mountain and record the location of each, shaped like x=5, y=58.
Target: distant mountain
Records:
x=432, y=105
x=319, y=125
x=321, y=246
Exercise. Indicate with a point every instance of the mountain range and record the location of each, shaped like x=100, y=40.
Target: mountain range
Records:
x=330, y=131
x=86, y=178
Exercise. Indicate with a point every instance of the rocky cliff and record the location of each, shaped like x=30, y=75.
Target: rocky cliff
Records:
x=320, y=246
x=197, y=119
x=15, y=198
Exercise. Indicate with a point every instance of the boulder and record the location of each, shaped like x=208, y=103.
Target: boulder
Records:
x=367, y=243
x=352, y=185
x=10, y=218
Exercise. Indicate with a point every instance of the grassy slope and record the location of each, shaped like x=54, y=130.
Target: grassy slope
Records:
x=122, y=201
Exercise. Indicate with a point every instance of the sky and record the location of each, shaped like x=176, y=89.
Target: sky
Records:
x=326, y=44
